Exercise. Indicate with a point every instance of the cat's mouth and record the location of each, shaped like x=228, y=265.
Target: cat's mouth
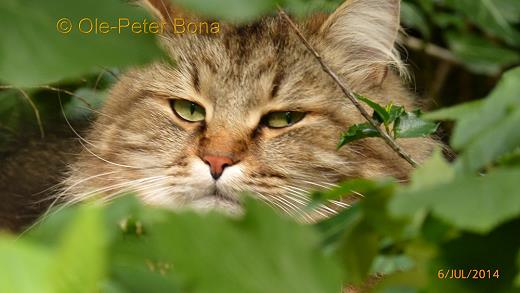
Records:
x=225, y=198
x=219, y=202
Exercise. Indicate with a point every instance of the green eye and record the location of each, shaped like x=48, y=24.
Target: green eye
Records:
x=188, y=110
x=282, y=119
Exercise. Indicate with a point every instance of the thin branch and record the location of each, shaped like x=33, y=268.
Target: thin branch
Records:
x=431, y=49
x=55, y=89
x=68, y=93
x=439, y=79
x=35, y=110
x=349, y=94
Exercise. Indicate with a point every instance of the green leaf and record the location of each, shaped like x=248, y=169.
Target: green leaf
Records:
x=231, y=10
x=333, y=228
x=303, y=8
x=434, y=171
x=491, y=130
x=411, y=125
x=492, y=16
x=360, y=248
x=510, y=159
x=480, y=55
x=394, y=112
x=359, y=186
x=498, y=104
x=80, y=260
x=471, y=203
x=261, y=252
x=381, y=112
x=412, y=17
x=455, y=112
x=33, y=52
x=390, y=264
x=356, y=132
x=490, y=145
x=24, y=267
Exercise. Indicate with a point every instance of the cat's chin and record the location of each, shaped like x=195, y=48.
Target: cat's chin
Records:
x=217, y=202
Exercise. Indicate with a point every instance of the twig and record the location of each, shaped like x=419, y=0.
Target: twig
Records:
x=48, y=87
x=348, y=93
x=439, y=79
x=431, y=49
x=35, y=110
x=68, y=93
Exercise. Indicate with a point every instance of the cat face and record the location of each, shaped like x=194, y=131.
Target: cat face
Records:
x=247, y=110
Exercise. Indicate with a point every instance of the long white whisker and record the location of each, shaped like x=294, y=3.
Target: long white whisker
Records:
x=87, y=195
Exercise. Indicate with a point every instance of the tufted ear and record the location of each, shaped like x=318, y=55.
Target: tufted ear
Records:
x=165, y=11
x=162, y=9
x=366, y=30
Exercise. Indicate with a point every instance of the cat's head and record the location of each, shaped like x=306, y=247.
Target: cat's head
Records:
x=247, y=110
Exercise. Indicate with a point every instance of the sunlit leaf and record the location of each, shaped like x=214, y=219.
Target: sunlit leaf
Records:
x=356, y=132
x=33, y=52
x=381, y=112
x=455, y=112
x=262, y=244
x=472, y=203
x=411, y=125
x=412, y=17
x=492, y=130
x=480, y=55
x=80, y=261
x=24, y=267
x=231, y=10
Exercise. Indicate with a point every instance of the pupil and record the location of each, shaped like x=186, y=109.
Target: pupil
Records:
x=288, y=117
x=192, y=108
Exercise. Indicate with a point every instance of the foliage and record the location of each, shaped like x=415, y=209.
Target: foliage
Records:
x=483, y=34
x=33, y=43
x=451, y=216
x=397, y=123
x=126, y=247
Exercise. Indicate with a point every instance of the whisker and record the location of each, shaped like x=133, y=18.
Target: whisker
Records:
x=90, y=194
x=82, y=139
x=339, y=203
x=135, y=188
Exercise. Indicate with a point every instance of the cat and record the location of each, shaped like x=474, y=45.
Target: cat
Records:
x=246, y=110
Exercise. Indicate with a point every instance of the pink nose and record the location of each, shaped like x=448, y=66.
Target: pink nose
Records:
x=217, y=164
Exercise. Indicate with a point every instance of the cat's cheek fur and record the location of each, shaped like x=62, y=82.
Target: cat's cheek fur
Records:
x=196, y=185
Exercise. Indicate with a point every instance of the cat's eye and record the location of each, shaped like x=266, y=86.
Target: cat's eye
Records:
x=188, y=110
x=282, y=119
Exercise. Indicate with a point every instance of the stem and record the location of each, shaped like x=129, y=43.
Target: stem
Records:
x=432, y=50
x=348, y=93
x=35, y=110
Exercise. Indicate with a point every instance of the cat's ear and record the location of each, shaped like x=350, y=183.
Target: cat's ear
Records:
x=366, y=30
x=164, y=10
x=161, y=9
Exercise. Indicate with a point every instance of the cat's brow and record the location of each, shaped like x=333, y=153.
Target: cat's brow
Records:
x=278, y=78
x=195, y=78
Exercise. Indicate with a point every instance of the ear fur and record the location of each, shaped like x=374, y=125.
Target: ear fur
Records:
x=367, y=30
x=165, y=11
x=159, y=8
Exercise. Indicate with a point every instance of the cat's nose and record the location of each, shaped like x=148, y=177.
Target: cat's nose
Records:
x=217, y=164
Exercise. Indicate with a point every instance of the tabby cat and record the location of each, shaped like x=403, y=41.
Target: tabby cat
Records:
x=247, y=109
